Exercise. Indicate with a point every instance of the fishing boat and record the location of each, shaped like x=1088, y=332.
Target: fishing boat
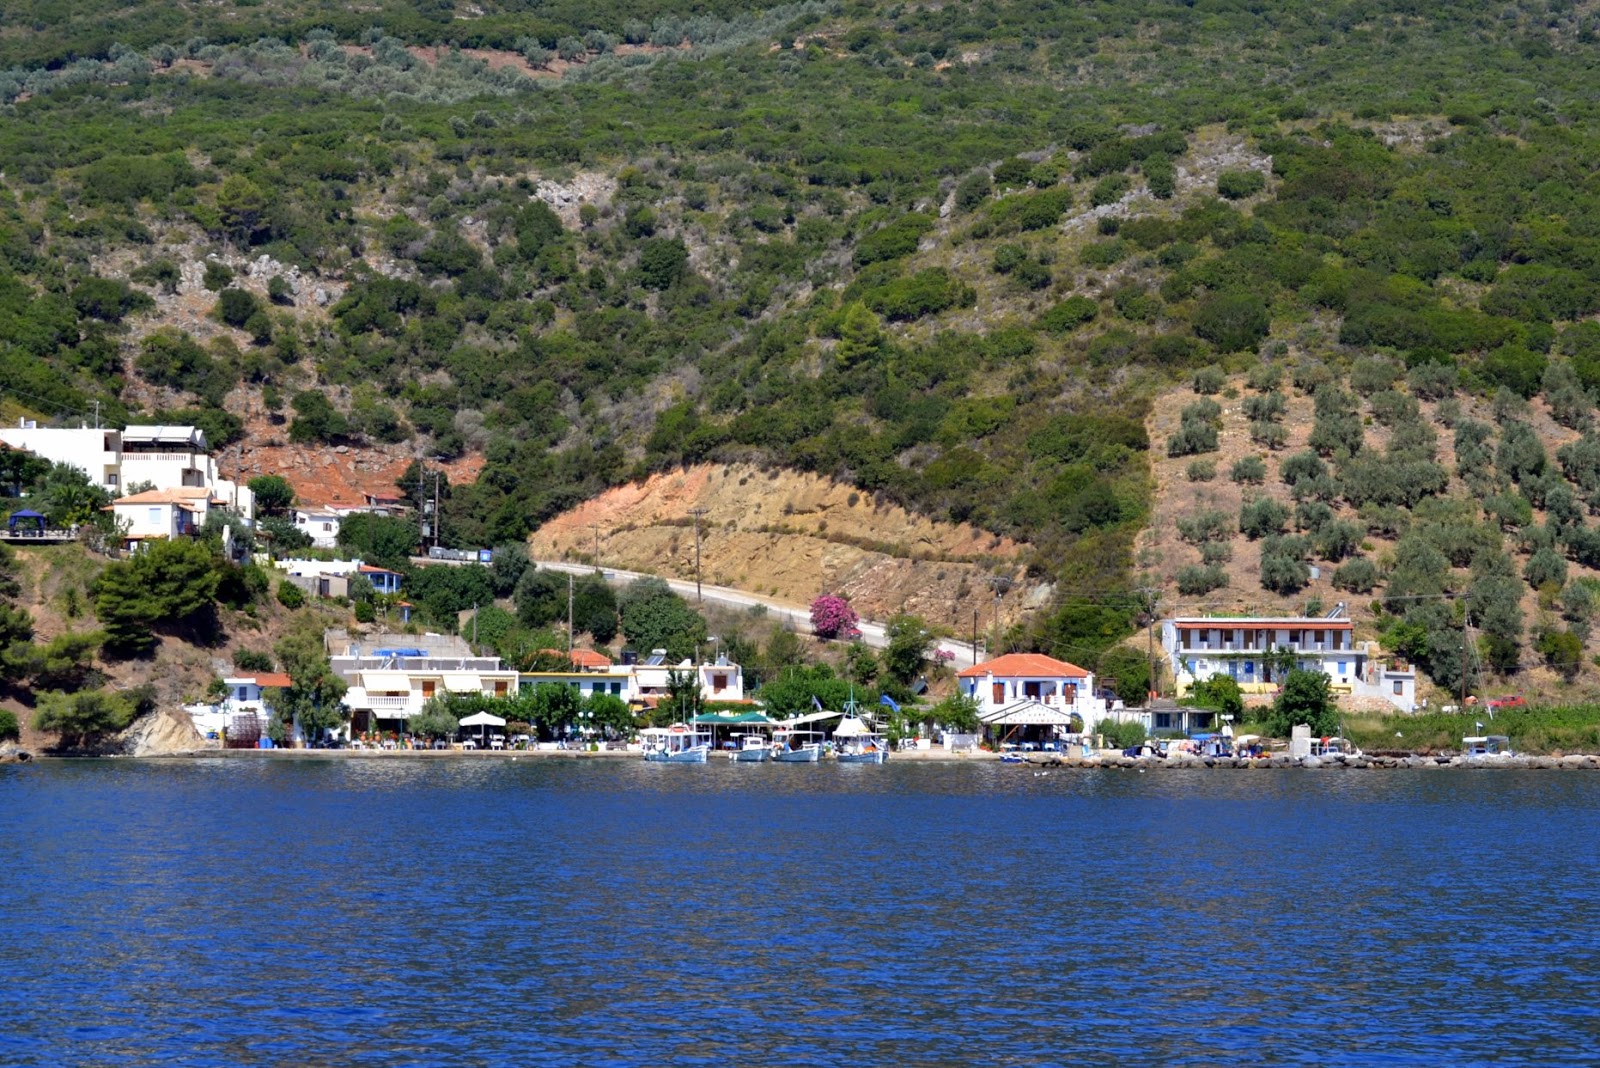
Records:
x=796, y=747
x=677, y=744
x=753, y=749
x=856, y=743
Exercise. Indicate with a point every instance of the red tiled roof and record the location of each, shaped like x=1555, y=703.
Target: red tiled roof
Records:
x=272, y=678
x=581, y=658
x=1024, y=665
x=368, y=569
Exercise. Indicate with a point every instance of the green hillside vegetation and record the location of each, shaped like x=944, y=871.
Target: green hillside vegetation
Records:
x=949, y=254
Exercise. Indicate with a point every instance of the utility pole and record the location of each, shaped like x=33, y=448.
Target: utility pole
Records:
x=697, y=513
x=422, y=505
x=97, y=415
x=1152, y=599
x=974, y=637
x=474, y=623
x=437, y=513
x=596, y=527
x=569, y=615
x=1466, y=621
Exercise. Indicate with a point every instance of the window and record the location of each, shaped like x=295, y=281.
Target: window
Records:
x=999, y=694
x=111, y=478
x=1163, y=721
x=1030, y=689
x=1249, y=667
x=1344, y=667
x=1399, y=687
x=154, y=517
x=616, y=688
x=327, y=527
x=719, y=683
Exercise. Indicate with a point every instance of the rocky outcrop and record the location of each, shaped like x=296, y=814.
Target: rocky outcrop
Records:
x=161, y=733
x=10, y=753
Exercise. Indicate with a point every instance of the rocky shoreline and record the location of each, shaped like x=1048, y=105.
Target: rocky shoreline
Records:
x=1109, y=761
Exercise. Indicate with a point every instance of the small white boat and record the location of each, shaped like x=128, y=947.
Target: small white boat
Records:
x=856, y=743
x=677, y=744
x=797, y=747
x=753, y=749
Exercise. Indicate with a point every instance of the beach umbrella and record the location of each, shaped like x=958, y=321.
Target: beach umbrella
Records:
x=482, y=720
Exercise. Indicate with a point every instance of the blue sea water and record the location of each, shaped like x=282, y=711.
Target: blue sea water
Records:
x=485, y=912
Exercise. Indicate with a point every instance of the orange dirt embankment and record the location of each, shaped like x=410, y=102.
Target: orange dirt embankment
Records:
x=791, y=536
x=326, y=474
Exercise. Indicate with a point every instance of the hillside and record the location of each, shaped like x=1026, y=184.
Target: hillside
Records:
x=956, y=258
x=793, y=537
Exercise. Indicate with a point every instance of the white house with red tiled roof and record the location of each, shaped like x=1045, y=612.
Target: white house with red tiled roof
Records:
x=1031, y=689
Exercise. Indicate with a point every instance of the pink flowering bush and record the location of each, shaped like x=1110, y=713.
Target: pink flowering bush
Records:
x=832, y=616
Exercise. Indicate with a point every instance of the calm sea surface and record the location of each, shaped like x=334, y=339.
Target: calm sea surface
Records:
x=483, y=912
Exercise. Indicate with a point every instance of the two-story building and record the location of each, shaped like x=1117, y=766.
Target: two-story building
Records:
x=642, y=684
x=1024, y=694
x=392, y=676
x=1256, y=651
x=162, y=457
x=97, y=453
x=178, y=456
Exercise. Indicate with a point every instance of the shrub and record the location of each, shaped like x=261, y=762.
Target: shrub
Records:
x=252, y=660
x=1269, y=435
x=1123, y=734
x=1358, y=575
x=1373, y=375
x=1216, y=552
x=1192, y=438
x=1232, y=321
x=1338, y=539
x=1208, y=381
x=10, y=730
x=1283, y=566
x=1201, y=470
x=1068, y=315
x=1238, y=185
x=1195, y=580
x=1262, y=517
x=1210, y=525
x=1265, y=406
x=1249, y=470
x=290, y=595
x=831, y=616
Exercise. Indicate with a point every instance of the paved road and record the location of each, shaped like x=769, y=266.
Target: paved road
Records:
x=796, y=617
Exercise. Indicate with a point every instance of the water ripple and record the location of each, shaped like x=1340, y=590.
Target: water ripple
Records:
x=472, y=913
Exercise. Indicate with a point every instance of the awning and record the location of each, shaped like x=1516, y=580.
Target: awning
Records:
x=730, y=719
x=809, y=717
x=851, y=727
x=458, y=683
x=1029, y=713
x=386, y=681
x=483, y=719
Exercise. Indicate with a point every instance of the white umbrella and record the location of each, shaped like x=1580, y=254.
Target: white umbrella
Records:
x=483, y=719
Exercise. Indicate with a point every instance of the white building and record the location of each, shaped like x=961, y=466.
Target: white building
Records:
x=97, y=453
x=391, y=676
x=1024, y=690
x=642, y=684
x=321, y=525
x=1256, y=650
x=171, y=456
x=162, y=514
x=166, y=457
x=243, y=709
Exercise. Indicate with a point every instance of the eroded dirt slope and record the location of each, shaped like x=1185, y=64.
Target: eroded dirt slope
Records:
x=792, y=536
